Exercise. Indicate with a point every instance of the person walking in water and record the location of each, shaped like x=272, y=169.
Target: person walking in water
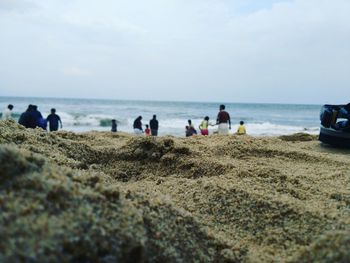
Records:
x=223, y=120
x=53, y=119
x=204, y=126
x=154, y=125
x=138, y=125
x=7, y=114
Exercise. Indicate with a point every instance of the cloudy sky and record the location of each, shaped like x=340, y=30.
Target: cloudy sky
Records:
x=280, y=51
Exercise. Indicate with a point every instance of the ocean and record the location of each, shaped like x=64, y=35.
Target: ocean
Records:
x=80, y=115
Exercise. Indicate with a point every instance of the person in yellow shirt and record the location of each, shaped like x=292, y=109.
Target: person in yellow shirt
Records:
x=204, y=126
x=241, y=129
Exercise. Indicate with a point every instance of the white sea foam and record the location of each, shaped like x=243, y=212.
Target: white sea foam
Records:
x=270, y=129
x=177, y=126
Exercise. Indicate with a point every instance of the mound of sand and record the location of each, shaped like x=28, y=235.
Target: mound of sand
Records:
x=117, y=198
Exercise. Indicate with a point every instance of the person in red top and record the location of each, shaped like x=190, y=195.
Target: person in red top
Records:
x=147, y=130
x=223, y=120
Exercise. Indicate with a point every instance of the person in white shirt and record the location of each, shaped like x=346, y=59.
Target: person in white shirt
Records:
x=7, y=114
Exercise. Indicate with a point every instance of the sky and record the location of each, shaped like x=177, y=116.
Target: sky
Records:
x=266, y=51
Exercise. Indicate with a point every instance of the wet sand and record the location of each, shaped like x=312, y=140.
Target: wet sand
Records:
x=104, y=197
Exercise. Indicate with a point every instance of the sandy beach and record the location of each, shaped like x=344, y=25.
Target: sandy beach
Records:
x=103, y=197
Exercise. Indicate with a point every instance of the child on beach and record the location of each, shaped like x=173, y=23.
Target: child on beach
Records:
x=204, y=126
x=191, y=128
x=241, y=129
x=114, y=126
x=147, y=130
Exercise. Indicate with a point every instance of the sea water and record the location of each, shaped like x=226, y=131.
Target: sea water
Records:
x=82, y=115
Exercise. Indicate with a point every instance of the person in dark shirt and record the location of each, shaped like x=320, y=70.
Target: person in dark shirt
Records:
x=114, y=126
x=53, y=119
x=37, y=116
x=36, y=119
x=138, y=125
x=223, y=120
x=23, y=118
x=154, y=125
x=28, y=118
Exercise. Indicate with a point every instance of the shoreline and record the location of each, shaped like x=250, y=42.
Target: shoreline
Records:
x=212, y=131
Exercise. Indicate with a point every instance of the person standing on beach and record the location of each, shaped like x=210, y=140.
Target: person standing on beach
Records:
x=7, y=114
x=154, y=125
x=223, y=120
x=38, y=118
x=28, y=119
x=138, y=126
x=23, y=119
x=204, y=126
x=53, y=119
x=114, y=126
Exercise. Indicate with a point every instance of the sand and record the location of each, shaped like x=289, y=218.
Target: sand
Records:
x=103, y=197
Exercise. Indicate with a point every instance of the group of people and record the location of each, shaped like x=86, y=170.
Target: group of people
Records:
x=33, y=118
x=151, y=129
x=223, y=121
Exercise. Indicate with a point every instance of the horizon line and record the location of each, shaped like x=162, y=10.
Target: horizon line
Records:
x=157, y=100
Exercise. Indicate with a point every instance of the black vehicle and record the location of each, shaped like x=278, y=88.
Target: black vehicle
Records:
x=335, y=125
